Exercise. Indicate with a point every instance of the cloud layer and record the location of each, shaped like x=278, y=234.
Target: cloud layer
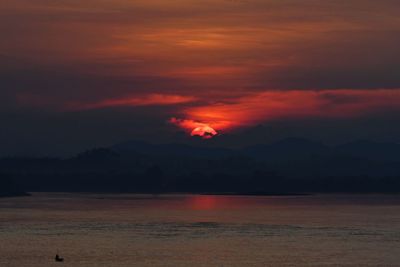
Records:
x=270, y=106
x=229, y=64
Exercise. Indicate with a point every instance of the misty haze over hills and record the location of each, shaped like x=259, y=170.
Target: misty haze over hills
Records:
x=285, y=149
x=292, y=165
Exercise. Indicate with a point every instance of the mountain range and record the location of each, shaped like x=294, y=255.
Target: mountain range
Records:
x=285, y=149
x=292, y=165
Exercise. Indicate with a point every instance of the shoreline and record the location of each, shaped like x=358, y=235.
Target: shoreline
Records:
x=11, y=195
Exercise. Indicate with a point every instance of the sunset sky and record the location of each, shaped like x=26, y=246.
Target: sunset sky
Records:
x=77, y=74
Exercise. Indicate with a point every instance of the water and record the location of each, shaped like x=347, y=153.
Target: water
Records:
x=192, y=230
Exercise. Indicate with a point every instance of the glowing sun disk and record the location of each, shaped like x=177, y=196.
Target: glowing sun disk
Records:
x=204, y=131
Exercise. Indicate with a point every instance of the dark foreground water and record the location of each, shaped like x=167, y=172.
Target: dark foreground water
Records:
x=192, y=230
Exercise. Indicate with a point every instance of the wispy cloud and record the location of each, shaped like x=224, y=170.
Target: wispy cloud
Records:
x=30, y=100
x=273, y=105
x=146, y=100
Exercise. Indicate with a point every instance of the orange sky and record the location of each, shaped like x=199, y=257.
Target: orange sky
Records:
x=273, y=105
x=226, y=64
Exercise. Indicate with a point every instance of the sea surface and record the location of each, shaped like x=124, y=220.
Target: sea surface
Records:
x=199, y=230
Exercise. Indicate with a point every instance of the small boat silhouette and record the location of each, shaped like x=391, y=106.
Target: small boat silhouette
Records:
x=58, y=258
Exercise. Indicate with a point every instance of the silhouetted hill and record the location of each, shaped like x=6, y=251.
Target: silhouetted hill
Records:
x=9, y=188
x=259, y=134
x=181, y=150
x=292, y=165
x=370, y=150
x=283, y=150
x=287, y=149
x=98, y=154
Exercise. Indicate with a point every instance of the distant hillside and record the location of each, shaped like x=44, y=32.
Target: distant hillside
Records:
x=283, y=150
x=171, y=149
x=287, y=149
x=292, y=165
x=370, y=150
x=8, y=188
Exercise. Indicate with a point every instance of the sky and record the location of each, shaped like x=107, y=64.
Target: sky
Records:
x=79, y=74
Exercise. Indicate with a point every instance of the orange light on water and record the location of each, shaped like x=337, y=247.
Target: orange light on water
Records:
x=219, y=202
x=202, y=202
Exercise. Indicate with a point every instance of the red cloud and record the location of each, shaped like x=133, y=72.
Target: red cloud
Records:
x=272, y=105
x=30, y=100
x=145, y=100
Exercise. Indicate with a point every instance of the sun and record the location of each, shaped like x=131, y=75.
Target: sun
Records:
x=204, y=131
x=196, y=128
